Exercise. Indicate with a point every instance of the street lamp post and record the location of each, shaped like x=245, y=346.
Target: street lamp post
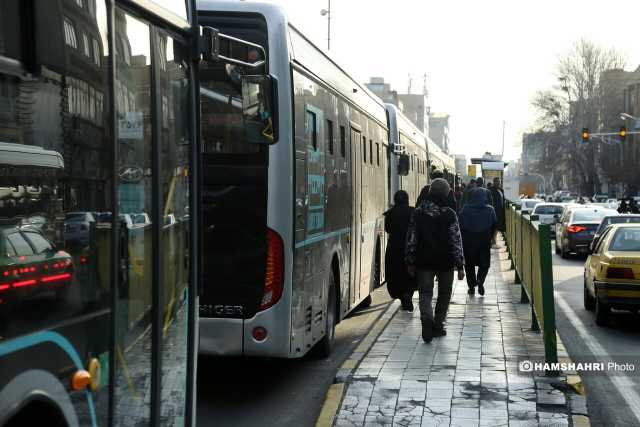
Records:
x=327, y=12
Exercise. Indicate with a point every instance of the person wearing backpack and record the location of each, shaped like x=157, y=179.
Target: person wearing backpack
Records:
x=434, y=250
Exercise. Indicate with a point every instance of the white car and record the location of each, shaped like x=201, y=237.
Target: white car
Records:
x=529, y=204
x=549, y=213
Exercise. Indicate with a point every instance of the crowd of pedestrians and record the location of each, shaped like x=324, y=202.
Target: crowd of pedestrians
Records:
x=449, y=232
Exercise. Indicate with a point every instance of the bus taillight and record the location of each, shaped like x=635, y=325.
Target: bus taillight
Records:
x=274, y=279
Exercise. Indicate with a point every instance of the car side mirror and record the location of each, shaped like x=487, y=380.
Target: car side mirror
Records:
x=403, y=164
x=260, y=109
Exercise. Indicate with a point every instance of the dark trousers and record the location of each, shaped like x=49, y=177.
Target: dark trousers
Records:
x=425, y=289
x=474, y=280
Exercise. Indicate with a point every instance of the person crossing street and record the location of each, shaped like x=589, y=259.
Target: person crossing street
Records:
x=434, y=250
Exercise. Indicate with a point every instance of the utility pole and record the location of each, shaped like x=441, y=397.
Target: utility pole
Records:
x=327, y=12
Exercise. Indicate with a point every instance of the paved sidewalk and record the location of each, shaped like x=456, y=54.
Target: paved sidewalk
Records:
x=470, y=377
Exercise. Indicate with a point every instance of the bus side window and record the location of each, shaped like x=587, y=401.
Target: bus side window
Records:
x=312, y=129
x=364, y=149
x=343, y=141
x=330, y=136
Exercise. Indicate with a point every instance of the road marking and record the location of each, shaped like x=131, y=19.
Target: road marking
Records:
x=625, y=386
x=331, y=405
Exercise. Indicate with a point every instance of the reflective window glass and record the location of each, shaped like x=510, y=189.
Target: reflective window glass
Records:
x=134, y=290
x=174, y=178
x=55, y=173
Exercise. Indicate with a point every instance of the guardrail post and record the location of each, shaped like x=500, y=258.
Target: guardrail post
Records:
x=548, y=302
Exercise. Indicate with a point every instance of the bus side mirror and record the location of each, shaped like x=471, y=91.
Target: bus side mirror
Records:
x=260, y=109
x=403, y=165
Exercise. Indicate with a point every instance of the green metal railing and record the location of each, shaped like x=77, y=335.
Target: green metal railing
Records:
x=529, y=244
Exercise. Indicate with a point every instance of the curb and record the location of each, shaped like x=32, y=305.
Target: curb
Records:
x=577, y=402
x=334, y=395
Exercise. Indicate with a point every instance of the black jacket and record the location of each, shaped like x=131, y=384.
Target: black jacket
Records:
x=433, y=239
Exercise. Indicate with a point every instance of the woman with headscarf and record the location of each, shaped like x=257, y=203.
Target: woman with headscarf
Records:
x=396, y=221
x=477, y=222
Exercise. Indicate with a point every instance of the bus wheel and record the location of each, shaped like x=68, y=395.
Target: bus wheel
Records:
x=325, y=344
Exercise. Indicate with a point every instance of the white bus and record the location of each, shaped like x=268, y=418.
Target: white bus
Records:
x=407, y=140
x=292, y=233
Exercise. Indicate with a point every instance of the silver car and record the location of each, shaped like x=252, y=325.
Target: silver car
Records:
x=549, y=213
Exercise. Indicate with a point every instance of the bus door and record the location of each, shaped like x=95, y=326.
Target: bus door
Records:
x=356, y=215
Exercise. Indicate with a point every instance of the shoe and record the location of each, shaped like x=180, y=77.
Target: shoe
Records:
x=407, y=304
x=481, y=289
x=472, y=291
x=427, y=330
x=439, y=331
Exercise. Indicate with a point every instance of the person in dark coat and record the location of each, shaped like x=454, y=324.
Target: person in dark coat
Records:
x=396, y=221
x=477, y=223
x=451, y=198
x=434, y=250
x=498, y=204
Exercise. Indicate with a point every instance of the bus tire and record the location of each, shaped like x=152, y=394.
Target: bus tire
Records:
x=326, y=343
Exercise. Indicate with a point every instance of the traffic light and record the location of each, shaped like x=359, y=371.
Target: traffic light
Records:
x=622, y=133
x=585, y=135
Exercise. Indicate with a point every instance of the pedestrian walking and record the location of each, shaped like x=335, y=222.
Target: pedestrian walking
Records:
x=498, y=207
x=623, y=208
x=434, y=250
x=400, y=284
x=487, y=193
x=451, y=198
x=477, y=222
x=467, y=190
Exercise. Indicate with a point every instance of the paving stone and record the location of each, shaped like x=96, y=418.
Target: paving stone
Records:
x=468, y=378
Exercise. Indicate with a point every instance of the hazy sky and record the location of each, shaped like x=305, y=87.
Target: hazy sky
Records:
x=484, y=59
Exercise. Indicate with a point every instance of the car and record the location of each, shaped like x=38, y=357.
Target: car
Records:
x=576, y=228
x=612, y=204
x=31, y=265
x=549, y=213
x=614, y=219
x=76, y=227
x=529, y=204
x=599, y=198
x=612, y=272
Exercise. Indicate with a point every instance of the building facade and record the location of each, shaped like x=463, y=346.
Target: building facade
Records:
x=439, y=130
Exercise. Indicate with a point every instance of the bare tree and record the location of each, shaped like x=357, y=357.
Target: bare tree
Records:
x=578, y=102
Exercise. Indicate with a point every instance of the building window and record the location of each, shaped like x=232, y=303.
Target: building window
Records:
x=125, y=50
x=330, y=136
x=96, y=52
x=87, y=47
x=343, y=141
x=70, y=34
x=91, y=5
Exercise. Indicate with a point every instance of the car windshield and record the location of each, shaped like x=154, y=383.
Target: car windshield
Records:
x=548, y=210
x=588, y=215
x=626, y=240
x=622, y=220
